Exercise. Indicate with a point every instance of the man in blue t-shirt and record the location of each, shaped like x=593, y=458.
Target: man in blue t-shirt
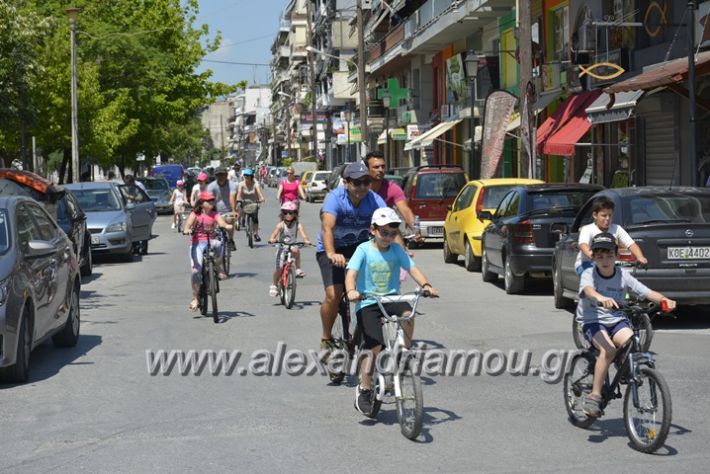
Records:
x=346, y=216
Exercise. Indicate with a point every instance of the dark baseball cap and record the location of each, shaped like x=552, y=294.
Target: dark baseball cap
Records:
x=220, y=170
x=355, y=170
x=605, y=240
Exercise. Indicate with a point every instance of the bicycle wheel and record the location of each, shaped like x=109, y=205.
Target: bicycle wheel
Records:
x=578, y=336
x=645, y=333
x=202, y=301
x=339, y=343
x=250, y=232
x=212, y=289
x=647, y=424
x=411, y=404
x=376, y=403
x=577, y=385
x=290, y=287
x=226, y=257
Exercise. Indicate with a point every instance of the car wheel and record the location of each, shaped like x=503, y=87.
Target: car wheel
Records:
x=87, y=268
x=449, y=256
x=471, y=262
x=69, y=335
x=144, y=247
x=557, y=289
x=128, y=255
x=19, y=372
x=487, y=275
x=513, y=284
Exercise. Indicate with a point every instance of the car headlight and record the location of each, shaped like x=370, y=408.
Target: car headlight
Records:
x=4, y=290
x=116, y=227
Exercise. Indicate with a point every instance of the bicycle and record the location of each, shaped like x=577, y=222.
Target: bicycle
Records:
x=249, y=209
x=226, y=250
x=647, y=401
x=402, y=384
x=345, y=336
x=287, y=278
x=209, y=286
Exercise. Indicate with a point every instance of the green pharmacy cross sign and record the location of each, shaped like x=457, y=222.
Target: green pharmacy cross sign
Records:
x=394, y=92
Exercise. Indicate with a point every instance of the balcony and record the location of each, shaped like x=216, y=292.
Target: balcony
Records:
x=284, y=26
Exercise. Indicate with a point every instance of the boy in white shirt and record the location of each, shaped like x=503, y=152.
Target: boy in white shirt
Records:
x=603, y=213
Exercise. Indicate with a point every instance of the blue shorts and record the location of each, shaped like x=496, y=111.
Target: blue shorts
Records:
x=591, y=329
x=583, y=266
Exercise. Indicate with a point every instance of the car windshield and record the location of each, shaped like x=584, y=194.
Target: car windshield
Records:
x=321, y=176
x=155, y=185
x=439, y=185
x=568, y=200
x=667, y=208
x=4, y=232
x=494, y=195
x=97, y=200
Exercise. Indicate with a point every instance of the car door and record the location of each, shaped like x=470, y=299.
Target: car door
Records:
x=495, y=231
x=79, y=219
x=570, y=248
x=141, y=213
x=457, y=218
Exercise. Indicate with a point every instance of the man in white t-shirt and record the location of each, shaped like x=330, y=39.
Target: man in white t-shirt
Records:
x=603, y=213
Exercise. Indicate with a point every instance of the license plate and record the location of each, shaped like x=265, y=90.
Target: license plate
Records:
x=95, y=240
x=688, y=253
x=435, y=230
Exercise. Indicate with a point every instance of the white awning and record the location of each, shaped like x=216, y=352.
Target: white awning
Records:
x=382, y=138
x=603, y=111
x=427, y=138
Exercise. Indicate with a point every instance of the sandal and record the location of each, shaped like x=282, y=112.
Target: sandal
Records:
x=193, y=305
x=222, y=276
x=592, y=406
x=300, y=273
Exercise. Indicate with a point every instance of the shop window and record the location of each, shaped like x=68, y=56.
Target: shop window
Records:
x=559, y=20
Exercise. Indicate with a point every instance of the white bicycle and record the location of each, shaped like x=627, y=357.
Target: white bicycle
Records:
x=399, y=384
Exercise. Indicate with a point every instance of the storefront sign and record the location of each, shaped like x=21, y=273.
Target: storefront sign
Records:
x=498, y=110
x=412, y=132
x=456, y=85
x=355, y=134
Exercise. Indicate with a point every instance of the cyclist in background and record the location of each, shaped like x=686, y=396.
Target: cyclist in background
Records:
x=201, y=185
x=178, y=199
x=290, y=188
x=247, y=192
x=287, y=231
x=222, y=188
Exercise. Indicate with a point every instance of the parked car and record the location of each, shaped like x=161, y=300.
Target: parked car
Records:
x=520, y=240
x=39, y=285
x=672, y=228
x=115, y=225
x=305, y=177
x=395, y=178
x=59, y=203
x=430, y=190
x=172, y=173
x=462, y=227
x=316, y=187
x=159, y=192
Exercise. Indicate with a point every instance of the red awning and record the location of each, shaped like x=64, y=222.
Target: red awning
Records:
x=563, y=141
x=571, y=106
x=666, y=74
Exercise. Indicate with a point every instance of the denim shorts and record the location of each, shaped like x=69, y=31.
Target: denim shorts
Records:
x=591, y=329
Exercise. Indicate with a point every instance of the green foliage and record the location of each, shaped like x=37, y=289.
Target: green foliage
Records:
x=139, y=91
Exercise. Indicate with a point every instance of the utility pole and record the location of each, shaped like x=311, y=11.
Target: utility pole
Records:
x=362, y=85
x=312, y=61
x=73, y=13
x=528, y=95
x=692, y=130
x=221, y=135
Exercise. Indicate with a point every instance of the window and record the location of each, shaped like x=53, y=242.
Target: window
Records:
x=514, y=206
x=439, y=185
x=4, y=232
x=465, y=198
x=560, y=33
x=494, y=195
x=667, y=208
x=45, y=227
x=25, y=227
x=500, y=211
x=97, y=200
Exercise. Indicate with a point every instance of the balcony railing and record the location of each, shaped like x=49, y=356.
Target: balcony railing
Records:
x=392, y=39
x=425, y=15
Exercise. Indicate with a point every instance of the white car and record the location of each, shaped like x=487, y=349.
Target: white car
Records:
x=316, y=187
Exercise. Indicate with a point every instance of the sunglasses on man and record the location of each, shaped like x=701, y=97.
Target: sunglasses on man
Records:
x=360, y=182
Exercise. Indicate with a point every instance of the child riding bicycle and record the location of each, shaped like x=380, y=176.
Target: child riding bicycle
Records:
x=600, y=287
x=374, y=269
x=178, y=200
x=202, y=225
x=287, y=230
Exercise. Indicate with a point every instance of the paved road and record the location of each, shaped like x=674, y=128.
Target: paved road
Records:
x=95, y=408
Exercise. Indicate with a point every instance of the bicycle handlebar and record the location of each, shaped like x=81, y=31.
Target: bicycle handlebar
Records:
x=407, y=297
x=634, y=308
x=290, y=244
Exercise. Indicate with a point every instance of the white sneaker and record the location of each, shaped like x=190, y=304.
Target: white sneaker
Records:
x=172, y=226
x=273, y=291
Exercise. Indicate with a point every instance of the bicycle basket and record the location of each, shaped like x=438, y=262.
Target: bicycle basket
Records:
x=251, y=208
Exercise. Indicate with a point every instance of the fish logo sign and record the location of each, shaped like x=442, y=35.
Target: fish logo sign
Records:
x=618, y=71
x=653, y=7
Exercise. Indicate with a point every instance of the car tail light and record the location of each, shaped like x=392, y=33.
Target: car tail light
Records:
x=625, y=256
x=479, y=201
x=522, y=233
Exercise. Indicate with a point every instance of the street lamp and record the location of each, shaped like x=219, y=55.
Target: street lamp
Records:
x=73, y=15
x=386, y=103
x=472, y=61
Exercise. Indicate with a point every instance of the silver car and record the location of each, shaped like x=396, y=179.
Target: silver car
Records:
x=39, y=285
x=317, y=188
x=159, y=192
x=120, y=218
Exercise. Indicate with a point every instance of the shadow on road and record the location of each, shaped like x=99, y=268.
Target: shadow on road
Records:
x=432, y=416
x=605, y=429
x=298, y=305
x=47, y=360
x=88, y=279
x=533, y=287
x=90, y=299
x=225, y=316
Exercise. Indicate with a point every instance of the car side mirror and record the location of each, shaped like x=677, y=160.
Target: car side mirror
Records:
x=40, y=248
x=485, y=215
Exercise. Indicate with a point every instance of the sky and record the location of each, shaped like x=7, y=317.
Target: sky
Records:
x=248, y=29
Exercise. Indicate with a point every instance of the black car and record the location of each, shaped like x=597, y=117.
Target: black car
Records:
x=672, y=228
x=520, y=240
x=59, y=202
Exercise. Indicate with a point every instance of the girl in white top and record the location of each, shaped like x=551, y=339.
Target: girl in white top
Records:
x=603, y=213
x=287, y=231
x=178, y=200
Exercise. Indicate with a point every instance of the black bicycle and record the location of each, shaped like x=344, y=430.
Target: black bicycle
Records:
x=249, y=210
x=345, y=337
x=647, y=400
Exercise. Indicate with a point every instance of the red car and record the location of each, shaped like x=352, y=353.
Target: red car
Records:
x=430, y=190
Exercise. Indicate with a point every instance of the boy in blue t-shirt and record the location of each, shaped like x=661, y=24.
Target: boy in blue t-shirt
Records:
x=374, y=269
x=600, y=288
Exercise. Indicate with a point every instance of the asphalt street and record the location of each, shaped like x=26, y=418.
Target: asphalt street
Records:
x=96, y=407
